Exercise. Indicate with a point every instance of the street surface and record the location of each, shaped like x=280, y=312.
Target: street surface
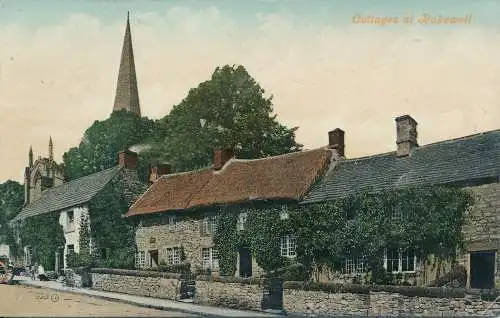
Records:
x=20, y=300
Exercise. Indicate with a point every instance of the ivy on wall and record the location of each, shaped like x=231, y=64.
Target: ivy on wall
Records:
x=428, y=220
x=109, y=230
x=44, y=235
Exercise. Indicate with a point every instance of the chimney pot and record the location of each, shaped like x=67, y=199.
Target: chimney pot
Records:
x=406, y=130
x=158, y=170
x=221, y=156
x=127, y=159
x=336, y=140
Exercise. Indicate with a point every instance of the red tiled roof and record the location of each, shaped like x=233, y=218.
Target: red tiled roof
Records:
x=280, y=177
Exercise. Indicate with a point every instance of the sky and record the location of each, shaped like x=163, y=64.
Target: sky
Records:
x=328, y=64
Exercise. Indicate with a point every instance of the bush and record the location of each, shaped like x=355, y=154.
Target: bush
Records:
x=183, y=268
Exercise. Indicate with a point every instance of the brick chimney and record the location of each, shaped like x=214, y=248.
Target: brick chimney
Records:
x=127, y=159
x=221, y=156
x=336, y=140
x=157, y=170
x=406, y=130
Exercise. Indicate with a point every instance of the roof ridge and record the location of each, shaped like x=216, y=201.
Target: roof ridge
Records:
x=427, y=145
x=165, y=176
x=288, y=154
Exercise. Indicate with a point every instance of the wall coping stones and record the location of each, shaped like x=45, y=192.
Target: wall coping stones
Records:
x=230, y=279
x=136, y=273
x=411, y=291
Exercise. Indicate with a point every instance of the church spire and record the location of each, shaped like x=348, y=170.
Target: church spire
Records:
x=127, y=96
x=51, y=149
x=30, y=156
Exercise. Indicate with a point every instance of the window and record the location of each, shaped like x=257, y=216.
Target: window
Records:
x=210, y=258
x=242, y=219
x=70, y=249
x=397, y=212
x=209, y=225
x=355, y=265
x=70, y=218
x=171, y=221
x=400, y=261
x=284, y=213
x=173, y=256
x=140, y=259
x=27, y=255
x=288, y=246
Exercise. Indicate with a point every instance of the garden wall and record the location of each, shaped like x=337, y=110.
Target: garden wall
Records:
x=232, y=292
x=137, y=282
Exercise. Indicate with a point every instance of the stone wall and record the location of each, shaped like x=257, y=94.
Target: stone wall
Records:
x=361, y=300
x=232, y=292
x=140, y=283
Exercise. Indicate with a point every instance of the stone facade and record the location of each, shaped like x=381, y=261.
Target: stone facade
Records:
x=140, y=283
x=70, y=220
x=158, y=233
x=238, y=293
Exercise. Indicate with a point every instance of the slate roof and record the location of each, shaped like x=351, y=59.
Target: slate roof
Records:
x=458, y=160
x=286, y=176
x=68, y=194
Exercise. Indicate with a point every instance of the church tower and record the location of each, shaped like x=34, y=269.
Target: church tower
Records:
x=42, y=174
x=127, y=95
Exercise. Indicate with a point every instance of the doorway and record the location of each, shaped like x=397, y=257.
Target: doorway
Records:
x=245, y=262
x=482, y=269
x=153, y=258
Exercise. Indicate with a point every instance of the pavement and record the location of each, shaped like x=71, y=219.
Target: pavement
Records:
x=149, y=302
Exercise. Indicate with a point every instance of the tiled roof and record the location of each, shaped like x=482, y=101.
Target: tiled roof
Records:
x=458, y=160
x=68, y=194
x=280, y=177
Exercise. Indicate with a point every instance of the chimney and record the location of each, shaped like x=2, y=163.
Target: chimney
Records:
x=336, y=140
x=222, y=156
x=127, y=159
x=158, y=170
x=406, y=129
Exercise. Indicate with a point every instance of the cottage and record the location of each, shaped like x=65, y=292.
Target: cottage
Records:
x=177, y=215
x=471, y=162
x=71, y=202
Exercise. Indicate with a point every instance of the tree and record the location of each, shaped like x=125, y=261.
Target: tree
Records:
x=103, y=140
x=11, y=203
x=229, y=110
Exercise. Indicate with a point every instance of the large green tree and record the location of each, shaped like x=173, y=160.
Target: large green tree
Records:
x=11, y=203
x=229, y=110
x=103, y=140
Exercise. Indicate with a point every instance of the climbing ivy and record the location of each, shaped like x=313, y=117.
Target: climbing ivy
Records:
x=109, y=230
x=426, y=219
x=44, y=235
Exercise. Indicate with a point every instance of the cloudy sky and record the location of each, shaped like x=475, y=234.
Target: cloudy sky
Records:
x=59, y=62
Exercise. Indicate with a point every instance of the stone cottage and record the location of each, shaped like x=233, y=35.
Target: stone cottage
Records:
x=177, y=215
x=471, y=162
x=71, y=201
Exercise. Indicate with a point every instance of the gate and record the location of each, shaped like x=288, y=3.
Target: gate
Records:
x=272, y=297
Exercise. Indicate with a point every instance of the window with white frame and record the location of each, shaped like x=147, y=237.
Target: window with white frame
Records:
x=173, y=256
x=210, y=258
x=355, y=265
x=171, y=221
x=284, y=213
x=209, y=225
x=242, y=219
x=140, y=259
x=400, y=261
x=288, y=246
x=27, y=255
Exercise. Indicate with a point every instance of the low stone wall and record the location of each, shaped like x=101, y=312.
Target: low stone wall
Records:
x=136, y=282
x=78, y=277
x=232, y=292
x=386, y=300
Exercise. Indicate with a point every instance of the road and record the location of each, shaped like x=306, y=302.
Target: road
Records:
x=20, y=300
